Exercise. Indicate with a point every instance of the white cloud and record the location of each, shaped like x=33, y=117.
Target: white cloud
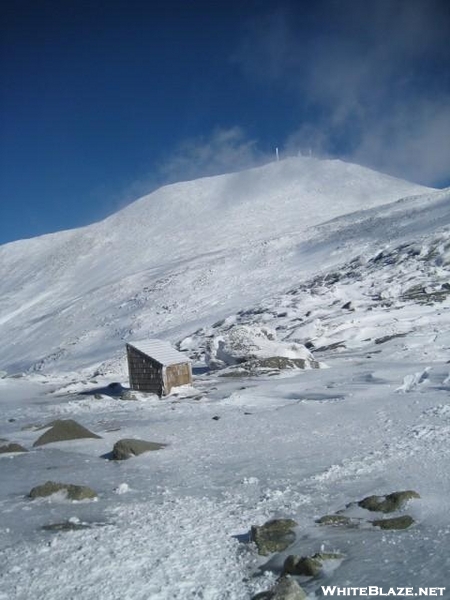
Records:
x=371, y=80
x=223, y=151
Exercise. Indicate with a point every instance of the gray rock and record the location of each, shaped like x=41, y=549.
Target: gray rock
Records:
x=64, y=430
x=65, y=526
x=12, y=448
x=402, y=522
x=127, y=448
x=127, y=395
x=389, y=503
x=74, y=492
x=309, y=566
x=279, y=363
x=337, y=521
x=260, y=366
x=274, y=536
x=302, y=565
x=284, y=589
x=334, y=346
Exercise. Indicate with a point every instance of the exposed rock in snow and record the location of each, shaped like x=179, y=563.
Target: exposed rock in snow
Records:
x=274, y=536
x=284, y=589
x=63, y=430
x=389, y=503
x=73, y=524
x=402, y=522
x=309, y=566
x=69, y=490
x=244, y=343
x=12, y=447
x=127, y=448
x=338, y=521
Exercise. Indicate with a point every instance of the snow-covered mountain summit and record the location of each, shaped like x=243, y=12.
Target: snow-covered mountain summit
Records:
x=318, y=294
x=188, y=253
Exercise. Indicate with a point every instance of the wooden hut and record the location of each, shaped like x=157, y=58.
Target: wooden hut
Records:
x=154, y=366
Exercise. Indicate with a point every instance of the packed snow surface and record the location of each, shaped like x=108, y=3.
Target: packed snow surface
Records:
x=320, y=261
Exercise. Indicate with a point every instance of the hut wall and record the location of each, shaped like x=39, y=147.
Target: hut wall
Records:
x=180, y=374
x=146, y=375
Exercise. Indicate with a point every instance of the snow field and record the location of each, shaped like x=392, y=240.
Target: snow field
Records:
x=350, y=263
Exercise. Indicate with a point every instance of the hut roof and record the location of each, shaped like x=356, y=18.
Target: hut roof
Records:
x=160, y=351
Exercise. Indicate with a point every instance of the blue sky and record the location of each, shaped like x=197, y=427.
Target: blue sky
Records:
x=101, y=102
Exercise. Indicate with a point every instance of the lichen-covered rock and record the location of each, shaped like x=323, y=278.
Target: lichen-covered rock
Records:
x=127, y=448
x=302, y=565
x=63, y=430
x=390, y=503
x=12, y=447
x=274, y=536
x=337, y=521
x=402, y=522
x=309, y=566
x=284, y=589
x=73, y=492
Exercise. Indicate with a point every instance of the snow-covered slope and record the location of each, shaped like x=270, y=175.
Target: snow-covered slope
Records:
x=187, y=253
x=325, y=263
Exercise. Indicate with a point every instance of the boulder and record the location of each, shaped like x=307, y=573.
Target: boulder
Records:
x=387, y=504
x=243, y=343
x=12, y=448
x=284, y=589
x=274, y=536
x=402, y=522
x=309, y=566
x=63, y=430
x=127, y=448
x=73, y=492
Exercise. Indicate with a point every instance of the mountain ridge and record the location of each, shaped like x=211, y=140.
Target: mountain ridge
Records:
x=185, y=253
